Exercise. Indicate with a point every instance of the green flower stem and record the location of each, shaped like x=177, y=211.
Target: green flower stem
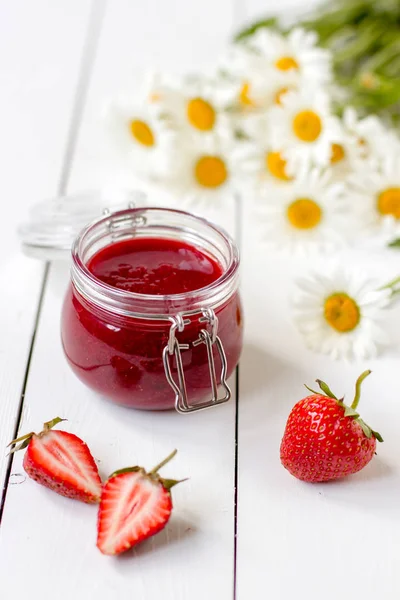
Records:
x=392, y=286
x=391, y=283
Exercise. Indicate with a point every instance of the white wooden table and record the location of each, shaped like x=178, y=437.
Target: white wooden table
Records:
x=242, y=527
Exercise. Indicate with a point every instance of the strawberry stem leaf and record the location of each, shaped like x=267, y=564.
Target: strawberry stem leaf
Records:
x=24, y=444
x=23, y=438
x=366, y=429
x=169, y=483
x=50, y=424
x=325, y=388
x=163, y=463
x=377, y=435
x=350, y=412
x=357, y=394
x=311, y=390
x=126, y=470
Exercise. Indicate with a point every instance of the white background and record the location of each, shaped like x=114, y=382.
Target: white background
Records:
x=59, y=62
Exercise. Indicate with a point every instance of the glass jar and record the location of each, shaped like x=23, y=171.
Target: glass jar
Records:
x=154, y=351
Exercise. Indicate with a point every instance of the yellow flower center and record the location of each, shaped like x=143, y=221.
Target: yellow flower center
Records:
x=389, y=202
x=244, y=96
x=337, y=153
x=155, y=97
x=280, y=93
x=341, y=312
x=307, y=126
x=142, y=133
x=276, y=165
x=200, y=114
x=286, y=62
x=210, y=171
x=363, y=145
x=369, y=81
x=304, y=213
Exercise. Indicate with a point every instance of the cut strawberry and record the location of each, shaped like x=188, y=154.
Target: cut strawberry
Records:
x=134, y=506
x=62, y=462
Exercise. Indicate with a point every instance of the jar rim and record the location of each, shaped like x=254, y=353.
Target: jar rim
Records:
x=125, y=302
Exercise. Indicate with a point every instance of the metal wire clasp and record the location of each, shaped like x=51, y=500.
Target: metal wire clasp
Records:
x=117, y=224
x=173, y=348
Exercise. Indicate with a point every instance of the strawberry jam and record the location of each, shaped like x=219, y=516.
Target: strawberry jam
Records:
x=115, y=318
x=154, y=266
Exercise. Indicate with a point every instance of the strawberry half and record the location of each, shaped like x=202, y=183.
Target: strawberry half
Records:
x=62, y=462
x=324, y=439
x=134, y=506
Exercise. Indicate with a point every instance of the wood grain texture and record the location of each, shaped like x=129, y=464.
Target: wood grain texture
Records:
x=38, y=74
x=58, y=544
x=293, y=539
x=322, y=540
x=193, y=557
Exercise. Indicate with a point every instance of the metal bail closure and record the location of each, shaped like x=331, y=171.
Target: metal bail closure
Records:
x=174, y=348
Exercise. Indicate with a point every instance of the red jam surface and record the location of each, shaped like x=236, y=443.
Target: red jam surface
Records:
x=121, y=357
x=154, y=266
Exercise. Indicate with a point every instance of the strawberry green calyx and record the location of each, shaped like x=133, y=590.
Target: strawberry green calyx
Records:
x=126, y=470
x=50, y=424
x=350, y=411
x=24, y=440
x=169, y=483
x=153, y=474
x=324, y=388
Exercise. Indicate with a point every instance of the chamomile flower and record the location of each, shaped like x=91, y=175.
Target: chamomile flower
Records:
x=304, y=126
x=346, y=154
x=202, y=172
x=196, y=105
x=259, y=85
x=258, y=159
x=141, y=133
x=371, y=138
x=374, y=197
x=296, y=53
x=306, y=214
x=338, y=314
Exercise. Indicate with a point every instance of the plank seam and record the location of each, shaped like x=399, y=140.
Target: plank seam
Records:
x=85, y=70
x=89, y=53
x=238, y=230
x=22, y=396
x=236, y=478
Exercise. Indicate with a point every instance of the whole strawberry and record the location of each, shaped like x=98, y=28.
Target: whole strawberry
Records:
x=134, y=506
x=324, y=439
x=61, y=461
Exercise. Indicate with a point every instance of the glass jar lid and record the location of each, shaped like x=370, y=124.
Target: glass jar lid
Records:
x=53, y=224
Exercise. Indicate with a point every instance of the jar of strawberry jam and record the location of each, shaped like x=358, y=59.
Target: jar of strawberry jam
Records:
x=152, y=318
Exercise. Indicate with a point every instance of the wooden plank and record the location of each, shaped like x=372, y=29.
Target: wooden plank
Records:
x=295, y=539
x=38, y=70
x=55, y=538
x=193, y=557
